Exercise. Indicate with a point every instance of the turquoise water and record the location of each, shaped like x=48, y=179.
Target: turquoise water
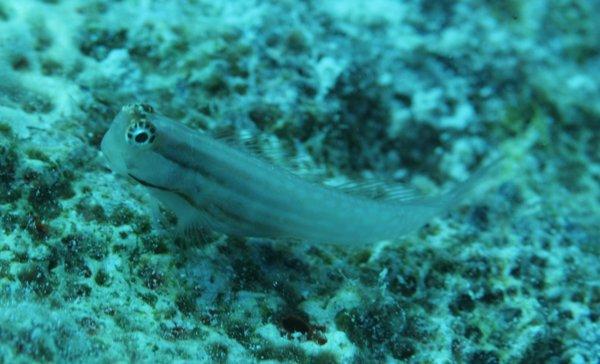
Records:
x=93, y=269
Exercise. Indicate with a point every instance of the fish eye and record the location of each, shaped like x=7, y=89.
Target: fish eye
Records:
x=141, y=133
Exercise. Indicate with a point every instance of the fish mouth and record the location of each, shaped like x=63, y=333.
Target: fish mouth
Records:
x=112, y=157
x=108, y=161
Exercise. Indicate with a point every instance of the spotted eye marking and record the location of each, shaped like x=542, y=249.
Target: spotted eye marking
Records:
x=141, y=133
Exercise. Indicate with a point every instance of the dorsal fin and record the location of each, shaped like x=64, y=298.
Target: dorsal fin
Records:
x=227, y=134
x=376, y=189
x=261, y=147
x=270, y=149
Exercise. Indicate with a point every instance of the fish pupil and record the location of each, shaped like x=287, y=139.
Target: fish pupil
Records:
x=141, y=137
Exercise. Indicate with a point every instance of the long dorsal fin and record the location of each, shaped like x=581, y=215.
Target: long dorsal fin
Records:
x=376, y=189
x=270, y=149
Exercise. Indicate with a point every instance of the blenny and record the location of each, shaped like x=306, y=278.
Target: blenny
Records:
x=209, y=183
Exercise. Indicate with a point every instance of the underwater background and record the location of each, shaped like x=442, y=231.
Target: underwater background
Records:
x=416, y=92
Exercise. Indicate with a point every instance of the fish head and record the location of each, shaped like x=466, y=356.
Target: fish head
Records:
x=129, y=143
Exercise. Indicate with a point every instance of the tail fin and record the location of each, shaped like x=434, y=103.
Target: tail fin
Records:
x=421, y=210
x=474, y=184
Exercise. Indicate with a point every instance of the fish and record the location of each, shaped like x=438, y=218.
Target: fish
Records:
x=209, y=183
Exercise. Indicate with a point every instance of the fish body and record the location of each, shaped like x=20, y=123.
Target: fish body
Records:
x=209, y=183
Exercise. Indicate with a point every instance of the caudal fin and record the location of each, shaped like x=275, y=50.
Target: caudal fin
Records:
x=477, y=183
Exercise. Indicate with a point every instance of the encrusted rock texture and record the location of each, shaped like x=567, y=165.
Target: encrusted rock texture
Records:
x=414, y=92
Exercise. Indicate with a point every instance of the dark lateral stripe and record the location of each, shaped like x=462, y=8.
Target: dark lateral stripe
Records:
x=236, y=219
x=180, y=194
x=179, y=153
x=207, y=174
x=148, y=184
x=233, y=217
x=224, y=182
x=196, y=167
x=263, y=228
